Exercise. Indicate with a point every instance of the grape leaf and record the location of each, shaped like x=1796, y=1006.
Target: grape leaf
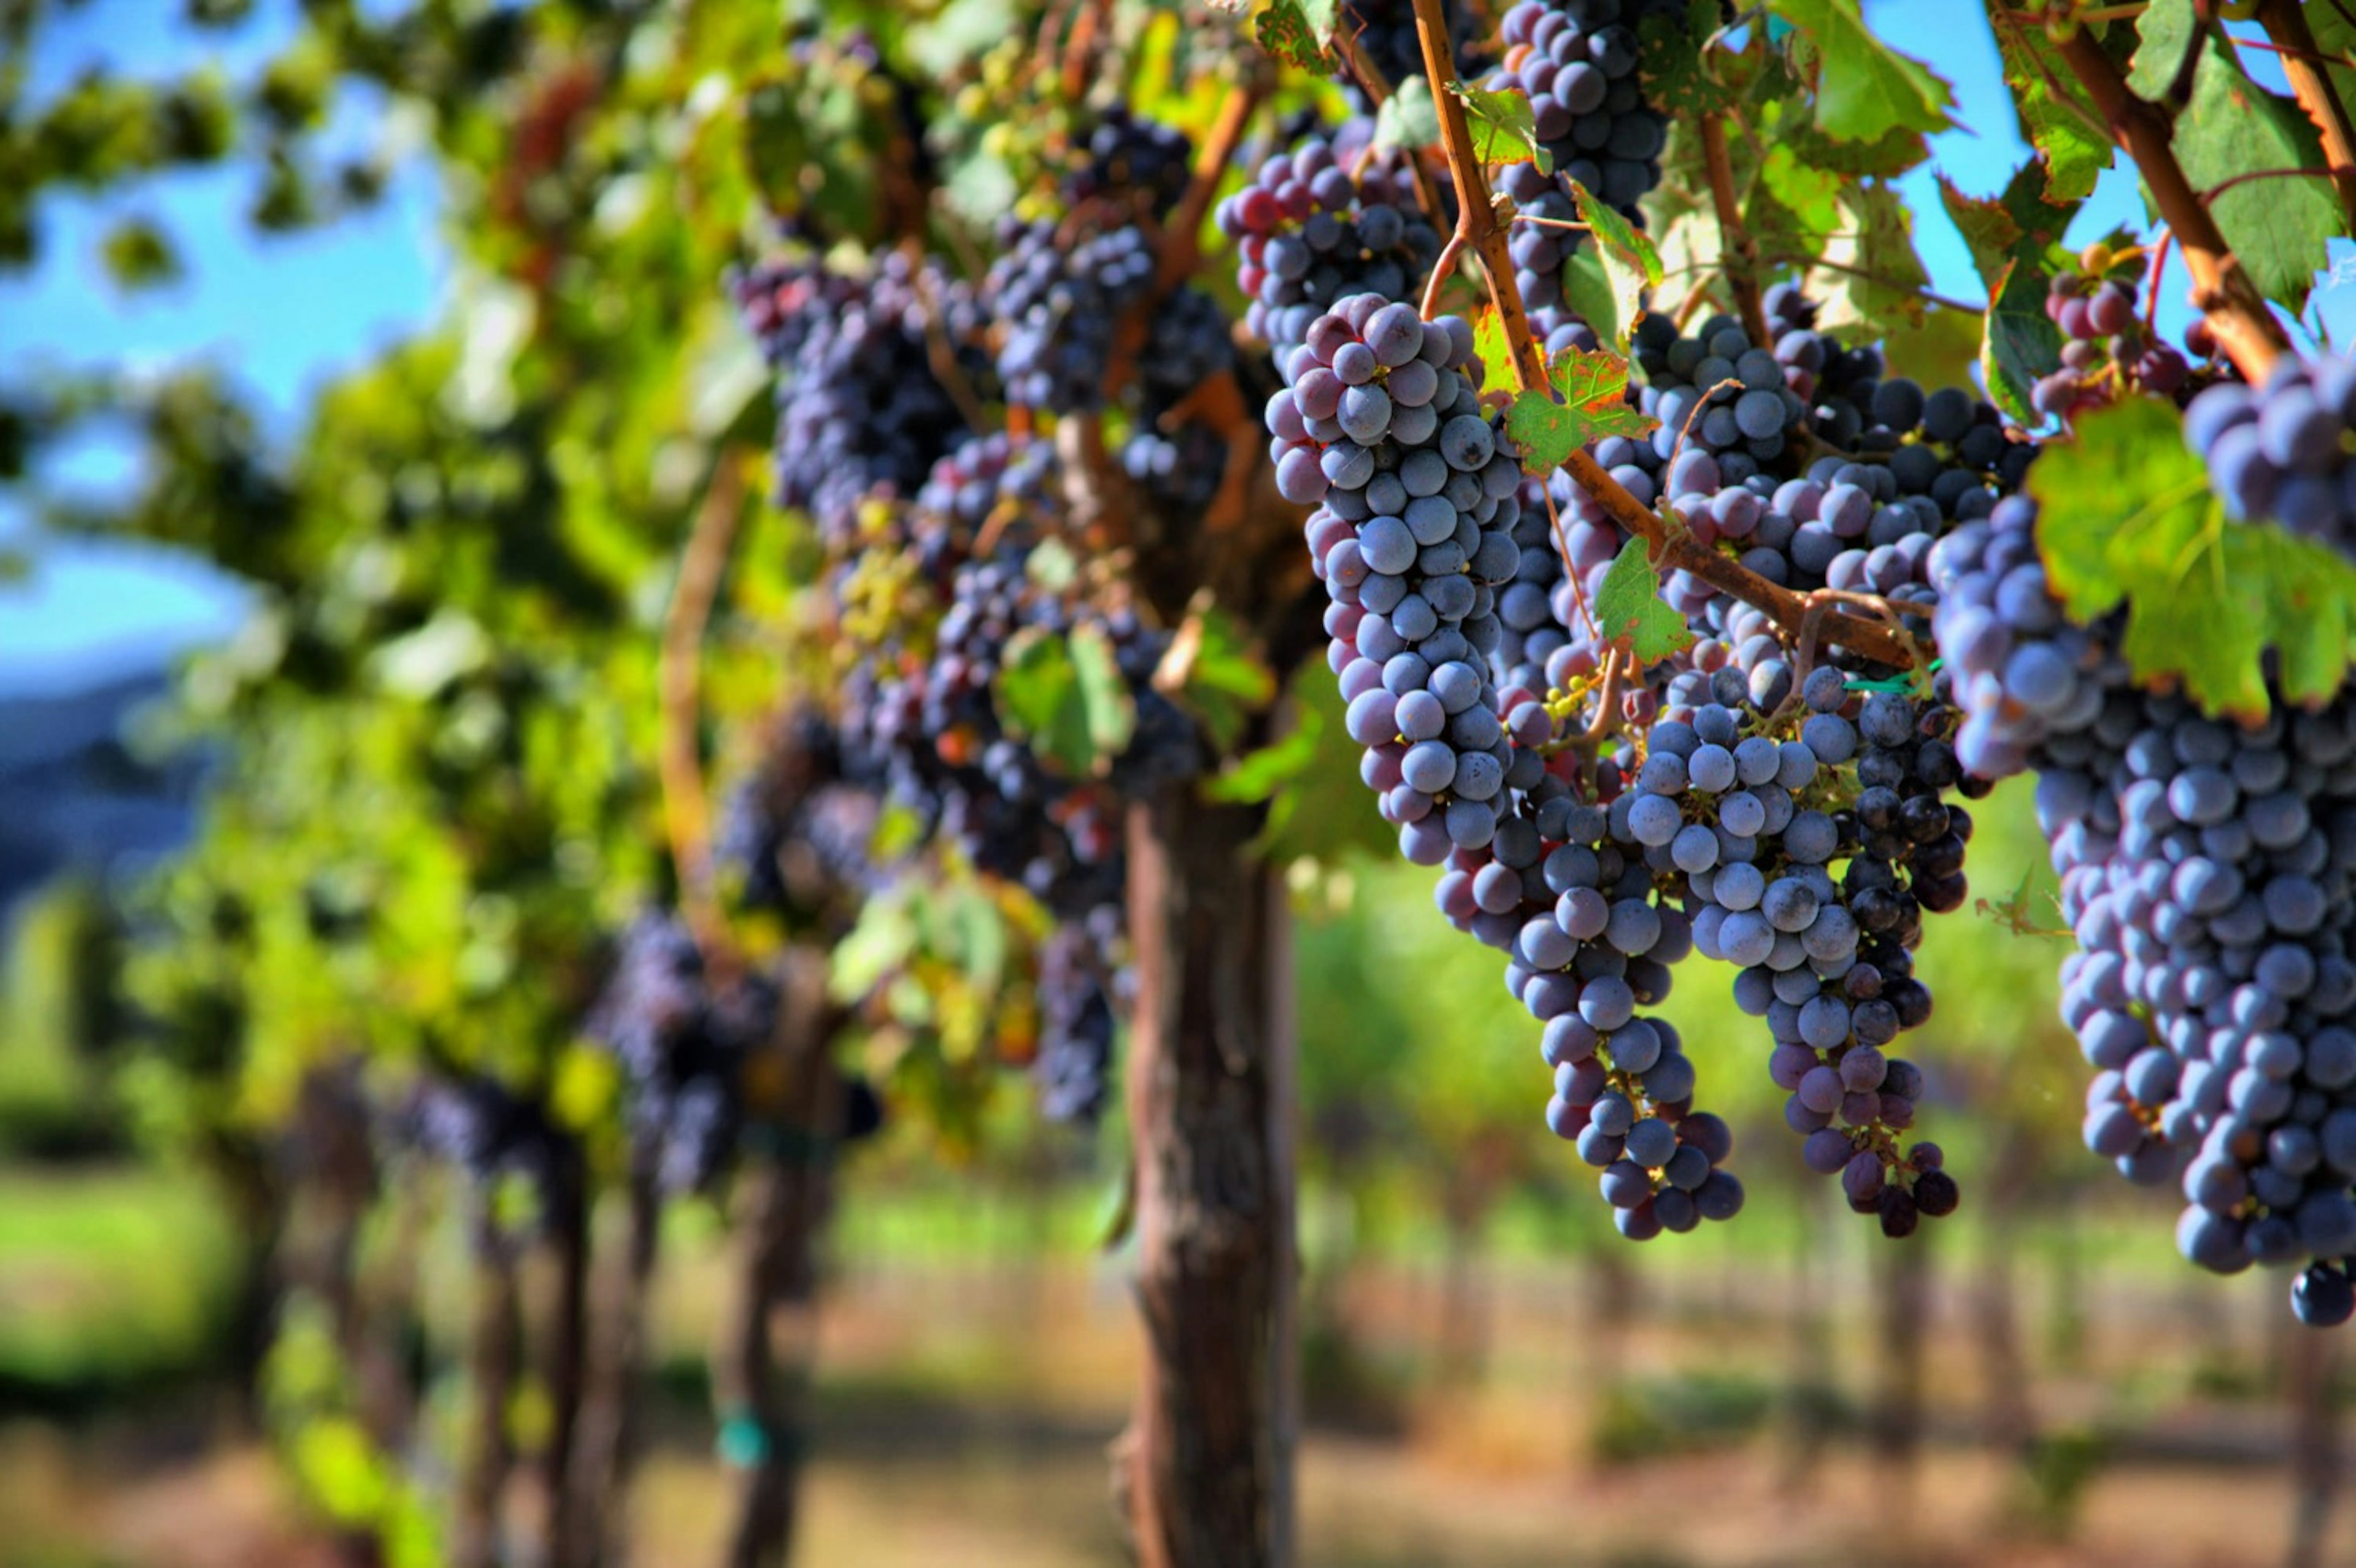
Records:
x=1675, y=65
x=1629, y=263
x=1214, y=674
x=1065, y=698
x=1875, y=281
x=1628, y=608
x=1941, y=351
x=2334, y=27
x=1594, y=389
x=1989, y=230
x=2163, y=33
x=1286, y=32
x=2012, y=241
x=2278, y=228
x=1504, y=130
x=2068, y=138
x=1594, y=298
x=1408, y=117
x=2125, y=514
x=1891, y=153
x=1863, y=87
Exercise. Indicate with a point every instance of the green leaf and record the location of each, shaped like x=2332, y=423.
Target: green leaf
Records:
x=1408, y=118
x=1504, y=130
x=1989, y=230
x=2125, y=514
x=1104, y=690
x=1286, y=33
x=139, y=255
x=1673, y=64
x=2068, y=138
x=1593, y=388
x=2334, y=28
x=1630, y=265
x=1258, y=775
x=1065, y=698
x=1628, y=608
x=2278, y=228
x=2165, y=31
x=1864, y=88
x=1214, y=674
x=1880, y=289
x=2013, y=240
x=1594, y=298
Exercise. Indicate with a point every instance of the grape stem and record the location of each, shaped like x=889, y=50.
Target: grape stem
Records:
x=687, y=817
x=2287, y=27
x=1477, y=227
x=2222, y=289
x=1738, y=250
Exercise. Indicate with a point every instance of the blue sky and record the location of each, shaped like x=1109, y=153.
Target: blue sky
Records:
x=285, y=313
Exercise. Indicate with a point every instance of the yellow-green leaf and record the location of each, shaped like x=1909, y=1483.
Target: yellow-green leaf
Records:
x=1628, y=608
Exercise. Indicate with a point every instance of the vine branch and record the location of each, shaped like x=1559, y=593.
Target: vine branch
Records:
x=1478, y=229
x=1735, y=242
x=2287, y=25
x=2222, y=289
x=687, y=813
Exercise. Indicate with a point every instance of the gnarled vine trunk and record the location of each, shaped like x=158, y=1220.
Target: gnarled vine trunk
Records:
x=764, y=1365
x=1207, y=1458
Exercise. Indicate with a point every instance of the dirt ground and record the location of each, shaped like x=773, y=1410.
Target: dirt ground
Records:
x=954, y=1435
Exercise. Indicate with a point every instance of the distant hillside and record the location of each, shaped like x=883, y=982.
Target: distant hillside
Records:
x=70, y=796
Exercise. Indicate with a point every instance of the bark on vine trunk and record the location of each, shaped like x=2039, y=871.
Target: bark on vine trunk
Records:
x=1898, y=1413
x=495, y=1353
x=765, y=1361
x=2309, y=1370
x=568, y=1339
x=592, y=1531
x=1207, y=1462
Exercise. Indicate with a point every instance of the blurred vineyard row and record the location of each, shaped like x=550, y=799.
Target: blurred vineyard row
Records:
x=1469, y=1320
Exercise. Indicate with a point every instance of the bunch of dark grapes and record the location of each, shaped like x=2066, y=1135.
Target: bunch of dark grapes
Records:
x=680, y=1043
x=1418, y=504
x=1179, y=459
x=2106, y=354
x=1576, y=60
x=485, y=1130
x=795, y=831
x=859, y=410
x=1737, y=807
x=1129, y=160
x=1313, y=227
x=1059, y=303
x=2280, y=453
x=1074, y=1066
x=2208, y=869
x=1386, y=32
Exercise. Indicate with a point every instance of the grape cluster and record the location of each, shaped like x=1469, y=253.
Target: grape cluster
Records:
x=2207, y=870
x=488, y=1130
x=795, y=831
x=1179, y=458
x=680, y=1043
x=1416, y=496
x=2106, y=353
x=1129, y=159
x=1311, y=228
x=1074, y=1065
x=1576, y=60
x=2280, y=453
x=1386, y=32
x=860, y=411
x=921, y=723
x=1059, y=303
x=1735, y=806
